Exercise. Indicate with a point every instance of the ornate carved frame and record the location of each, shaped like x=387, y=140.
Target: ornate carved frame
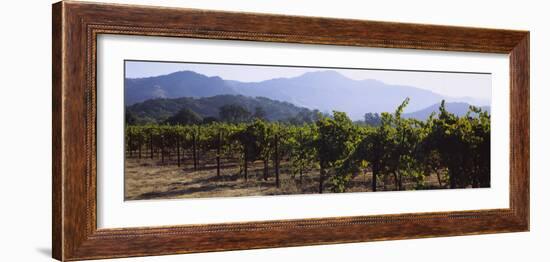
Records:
x=76, y=26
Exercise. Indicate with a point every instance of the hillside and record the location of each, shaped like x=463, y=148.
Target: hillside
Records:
x=459, y=109
x=174, y=85
x=158, y=110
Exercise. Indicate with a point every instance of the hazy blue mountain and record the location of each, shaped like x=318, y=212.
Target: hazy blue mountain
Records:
x=159, y=109
x=469, y=100
x=178, y=84
x=459, y=109
x=329, y=90
x=323, y=90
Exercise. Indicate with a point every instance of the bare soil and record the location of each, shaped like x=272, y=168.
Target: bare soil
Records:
x=152, y=179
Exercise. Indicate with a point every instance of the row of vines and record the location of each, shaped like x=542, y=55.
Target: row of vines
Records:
x=455, y=149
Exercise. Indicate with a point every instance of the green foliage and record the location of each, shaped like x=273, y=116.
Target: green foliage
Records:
x=234, y=113
x=336, y=139
x=300, y=143
x=130, y=118
x=405, y=137
x=372, y=119
x=455, y=149
x=184, y=117
x=463, y=145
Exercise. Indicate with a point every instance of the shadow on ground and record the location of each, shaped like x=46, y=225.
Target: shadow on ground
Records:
x=46, y=251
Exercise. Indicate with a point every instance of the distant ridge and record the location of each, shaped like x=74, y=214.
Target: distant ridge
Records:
x=324, y=90
x=174, y=85
x=459, y=109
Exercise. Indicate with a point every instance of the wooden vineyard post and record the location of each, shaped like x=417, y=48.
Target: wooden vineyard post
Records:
x=321, y=177
x=162, y=147
x=139, y=145
x=277, y=181
x=245, y=163
x=375, y=170
x=151, y=144
x=198, y=147
x=130, y=144
x=194, y=151
x=169, y=147
x=219, y=153
x=266, y=166
x=301, y=165
x=178, y=150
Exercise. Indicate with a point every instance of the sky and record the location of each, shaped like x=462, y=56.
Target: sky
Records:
x=450, y=84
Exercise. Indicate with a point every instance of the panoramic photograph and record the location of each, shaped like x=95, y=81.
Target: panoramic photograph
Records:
x=201, y=130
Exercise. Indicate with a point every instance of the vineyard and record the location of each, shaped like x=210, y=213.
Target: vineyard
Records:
x=330, y=154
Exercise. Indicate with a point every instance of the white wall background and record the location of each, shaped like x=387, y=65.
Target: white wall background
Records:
x=25, y=119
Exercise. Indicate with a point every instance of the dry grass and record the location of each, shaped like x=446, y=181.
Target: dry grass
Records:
x=150, y=179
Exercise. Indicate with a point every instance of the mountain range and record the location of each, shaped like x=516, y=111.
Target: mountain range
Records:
x=323, y=90
x=457, y=108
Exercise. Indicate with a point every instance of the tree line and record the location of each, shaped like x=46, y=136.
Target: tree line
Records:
x=392, y=148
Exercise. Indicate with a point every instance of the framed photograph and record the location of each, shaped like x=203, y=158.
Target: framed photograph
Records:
x=182, y=130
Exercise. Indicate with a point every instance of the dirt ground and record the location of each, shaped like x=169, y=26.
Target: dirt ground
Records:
x=151, y=179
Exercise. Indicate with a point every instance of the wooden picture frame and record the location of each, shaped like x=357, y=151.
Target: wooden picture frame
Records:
x=76, y=26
